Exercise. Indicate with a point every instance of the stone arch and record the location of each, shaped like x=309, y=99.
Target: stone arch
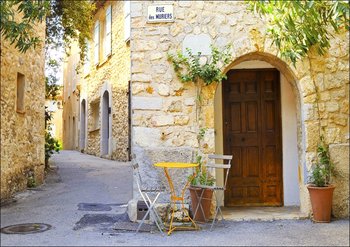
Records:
x=292, y=80
x=106, y=120
x=105, y=123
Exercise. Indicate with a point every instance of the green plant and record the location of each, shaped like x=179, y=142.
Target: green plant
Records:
x=190, y=68
x=65, y=21
x=31, y=183
x=51, y=146
x=323, y=168
x=201, y=174
x=297, y=26
x=202, y=71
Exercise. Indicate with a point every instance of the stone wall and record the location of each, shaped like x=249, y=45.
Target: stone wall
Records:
x=71, y=100
x=22, y=133
x=112, y=73
x=340, y=158
x=163, y=120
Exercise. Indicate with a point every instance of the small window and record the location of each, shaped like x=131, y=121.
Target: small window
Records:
x=95, y=113
x=20, y=93
x=108, y=33
x=97, y=43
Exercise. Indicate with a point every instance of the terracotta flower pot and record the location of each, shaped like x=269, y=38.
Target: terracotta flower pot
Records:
x=206, y=203
x=321, y=202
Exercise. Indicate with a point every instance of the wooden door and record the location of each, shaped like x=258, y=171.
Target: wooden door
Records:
x=252, y=133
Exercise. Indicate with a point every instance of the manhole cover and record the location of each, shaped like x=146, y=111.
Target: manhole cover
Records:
x=26, y=228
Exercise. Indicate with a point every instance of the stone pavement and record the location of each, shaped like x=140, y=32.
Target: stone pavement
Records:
x=87, y=195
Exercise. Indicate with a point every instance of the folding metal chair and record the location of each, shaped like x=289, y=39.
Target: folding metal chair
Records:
x=212, y=168
x=149, y=196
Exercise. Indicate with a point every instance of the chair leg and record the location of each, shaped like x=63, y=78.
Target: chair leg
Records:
x=217, y=209
x=150, y=208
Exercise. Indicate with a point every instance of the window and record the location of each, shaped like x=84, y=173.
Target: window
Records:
x=97, y=42
x=20, y=93
x=108, y=33
x=103, y=36
x=127, y=20
x=95, y=113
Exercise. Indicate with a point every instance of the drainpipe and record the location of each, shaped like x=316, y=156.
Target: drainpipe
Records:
x=129, y=120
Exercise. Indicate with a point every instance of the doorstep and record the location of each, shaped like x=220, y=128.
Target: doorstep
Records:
x=263, y=213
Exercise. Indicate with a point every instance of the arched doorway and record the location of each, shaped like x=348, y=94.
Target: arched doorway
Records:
x=74, y=135
x=82, y=124
x=258, y=120
x=105, y=124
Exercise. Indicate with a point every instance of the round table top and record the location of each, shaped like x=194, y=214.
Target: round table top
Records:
x=175, y=165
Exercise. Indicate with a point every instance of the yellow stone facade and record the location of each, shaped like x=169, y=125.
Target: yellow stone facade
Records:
x=163, y=120
x=111, y=75
x=22, y=131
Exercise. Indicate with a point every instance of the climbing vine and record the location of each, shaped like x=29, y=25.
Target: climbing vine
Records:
x=201, y=71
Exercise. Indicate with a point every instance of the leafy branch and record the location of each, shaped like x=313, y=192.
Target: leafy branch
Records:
x=66, y=21
x=297, y=26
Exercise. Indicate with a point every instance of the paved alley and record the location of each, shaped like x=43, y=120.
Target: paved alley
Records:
x=82, y=181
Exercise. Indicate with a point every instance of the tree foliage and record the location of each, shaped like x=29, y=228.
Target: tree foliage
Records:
x=70, y=20
x=66, y=21
x=297, y=26
x=20, y=32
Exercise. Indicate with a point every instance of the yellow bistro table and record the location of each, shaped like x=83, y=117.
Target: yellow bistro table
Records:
x=173, y=197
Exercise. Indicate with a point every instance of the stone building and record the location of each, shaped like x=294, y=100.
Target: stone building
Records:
x=96, y=112
x=56, y=109
x=270, y=100
x=22, y=116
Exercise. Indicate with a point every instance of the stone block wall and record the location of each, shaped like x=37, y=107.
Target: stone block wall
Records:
x=112, y=73
x=340, y=158
x=116, y=72
x=22, y=133
x=163, y=120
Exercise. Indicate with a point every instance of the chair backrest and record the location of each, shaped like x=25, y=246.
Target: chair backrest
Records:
x=226, y=166
x=135, y=167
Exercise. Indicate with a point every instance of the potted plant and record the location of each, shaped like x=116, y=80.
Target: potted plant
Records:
x=320, y=189
x=201, y=176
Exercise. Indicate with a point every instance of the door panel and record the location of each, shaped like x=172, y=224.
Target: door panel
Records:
x=252, y=131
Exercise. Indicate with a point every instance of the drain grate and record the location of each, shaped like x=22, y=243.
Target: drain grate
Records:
x=26, y=228
x=94, y=207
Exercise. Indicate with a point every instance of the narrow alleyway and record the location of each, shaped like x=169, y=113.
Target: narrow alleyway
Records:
x=88, y=194
x=80, y=180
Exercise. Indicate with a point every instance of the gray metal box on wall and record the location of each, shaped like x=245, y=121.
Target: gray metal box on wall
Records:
x=142, y=210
